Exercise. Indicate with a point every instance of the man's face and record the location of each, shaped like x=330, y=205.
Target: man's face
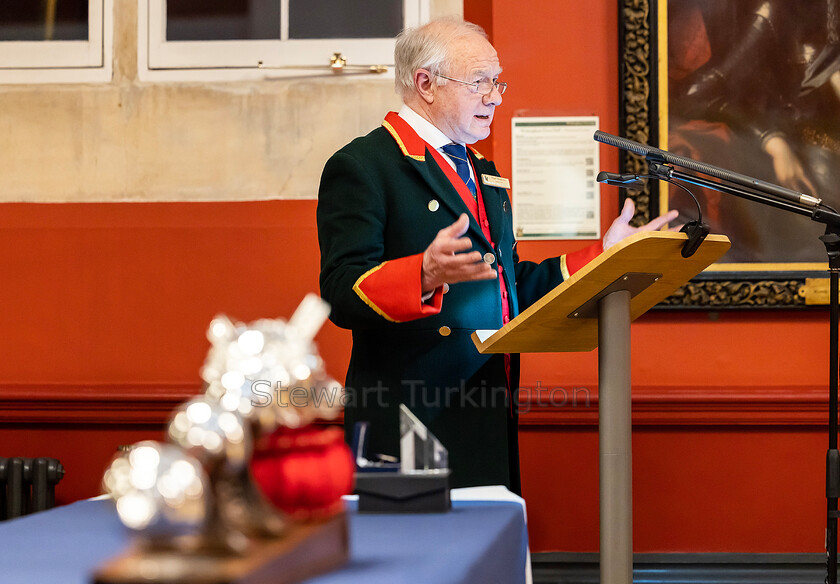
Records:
x=459, y=113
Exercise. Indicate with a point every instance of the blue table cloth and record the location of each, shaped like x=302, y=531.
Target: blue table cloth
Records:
x=477, y=542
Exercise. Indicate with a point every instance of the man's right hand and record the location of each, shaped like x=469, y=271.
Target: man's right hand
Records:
x=448, y=261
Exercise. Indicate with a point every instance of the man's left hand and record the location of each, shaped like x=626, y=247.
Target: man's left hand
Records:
x=621, y=227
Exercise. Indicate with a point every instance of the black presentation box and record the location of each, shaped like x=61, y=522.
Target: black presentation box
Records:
x=386, y=492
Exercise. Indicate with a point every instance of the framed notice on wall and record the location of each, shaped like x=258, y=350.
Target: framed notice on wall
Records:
x=555, y=161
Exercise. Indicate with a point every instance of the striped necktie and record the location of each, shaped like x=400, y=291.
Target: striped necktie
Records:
x=458, y=154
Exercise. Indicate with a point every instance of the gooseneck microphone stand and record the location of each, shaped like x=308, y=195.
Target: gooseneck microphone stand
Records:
x=661, y=165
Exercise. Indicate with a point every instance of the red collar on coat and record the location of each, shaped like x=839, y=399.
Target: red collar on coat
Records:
x=407, y=139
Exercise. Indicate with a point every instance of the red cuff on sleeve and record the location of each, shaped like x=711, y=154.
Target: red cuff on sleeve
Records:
x=392, y=289
x=577, y=259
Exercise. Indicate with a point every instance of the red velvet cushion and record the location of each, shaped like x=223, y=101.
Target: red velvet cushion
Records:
x=304, y=471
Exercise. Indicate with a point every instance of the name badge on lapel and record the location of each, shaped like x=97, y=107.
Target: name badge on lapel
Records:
x=495, y=181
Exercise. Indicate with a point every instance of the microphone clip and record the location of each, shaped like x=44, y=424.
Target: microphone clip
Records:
x=697, y=232
x=657, y=166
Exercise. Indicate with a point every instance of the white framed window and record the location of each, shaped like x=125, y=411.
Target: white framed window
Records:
x=230, y=39
x=55, y=41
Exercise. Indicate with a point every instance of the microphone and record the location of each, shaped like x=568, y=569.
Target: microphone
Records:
x=629, y=181
x=650, y=152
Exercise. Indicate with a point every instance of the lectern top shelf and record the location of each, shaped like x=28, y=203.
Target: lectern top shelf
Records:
x=648, y=264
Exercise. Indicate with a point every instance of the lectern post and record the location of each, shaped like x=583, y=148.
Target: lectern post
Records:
x=614, y=438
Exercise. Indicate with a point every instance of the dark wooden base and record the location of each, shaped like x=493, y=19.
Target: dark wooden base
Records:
x=305, y=550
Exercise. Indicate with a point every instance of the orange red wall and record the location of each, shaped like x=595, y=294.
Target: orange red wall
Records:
x=105, y=307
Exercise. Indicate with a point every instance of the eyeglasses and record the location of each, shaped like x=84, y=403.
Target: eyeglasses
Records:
x=484, y=87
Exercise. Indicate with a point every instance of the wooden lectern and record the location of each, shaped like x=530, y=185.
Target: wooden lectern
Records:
x=594, y=308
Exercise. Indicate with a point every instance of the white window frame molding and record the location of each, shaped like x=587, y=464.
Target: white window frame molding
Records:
x=160, y=60
x=89, y=61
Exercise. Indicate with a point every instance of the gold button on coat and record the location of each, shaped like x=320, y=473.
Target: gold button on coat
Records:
x=445, y=331
x=489, y=258
x=433, y=205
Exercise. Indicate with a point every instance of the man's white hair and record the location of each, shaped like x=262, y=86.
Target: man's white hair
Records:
x=427, y=47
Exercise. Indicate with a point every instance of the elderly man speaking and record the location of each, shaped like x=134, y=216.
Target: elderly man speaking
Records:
x=418, y=251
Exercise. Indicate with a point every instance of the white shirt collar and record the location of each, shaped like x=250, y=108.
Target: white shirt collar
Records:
x=424, y=128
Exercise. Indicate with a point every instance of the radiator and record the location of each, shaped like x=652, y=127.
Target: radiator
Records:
x=27, y=485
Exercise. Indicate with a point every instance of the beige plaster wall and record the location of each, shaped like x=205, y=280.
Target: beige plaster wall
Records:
x=144, y=141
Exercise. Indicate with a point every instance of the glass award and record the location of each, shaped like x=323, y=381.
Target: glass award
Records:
x=420, y=451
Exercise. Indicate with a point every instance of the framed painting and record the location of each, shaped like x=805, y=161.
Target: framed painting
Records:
x=751, y=86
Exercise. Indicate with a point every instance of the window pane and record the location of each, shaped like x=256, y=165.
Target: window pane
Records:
x=44, y=20
x=353, y=19
x=216, y=20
